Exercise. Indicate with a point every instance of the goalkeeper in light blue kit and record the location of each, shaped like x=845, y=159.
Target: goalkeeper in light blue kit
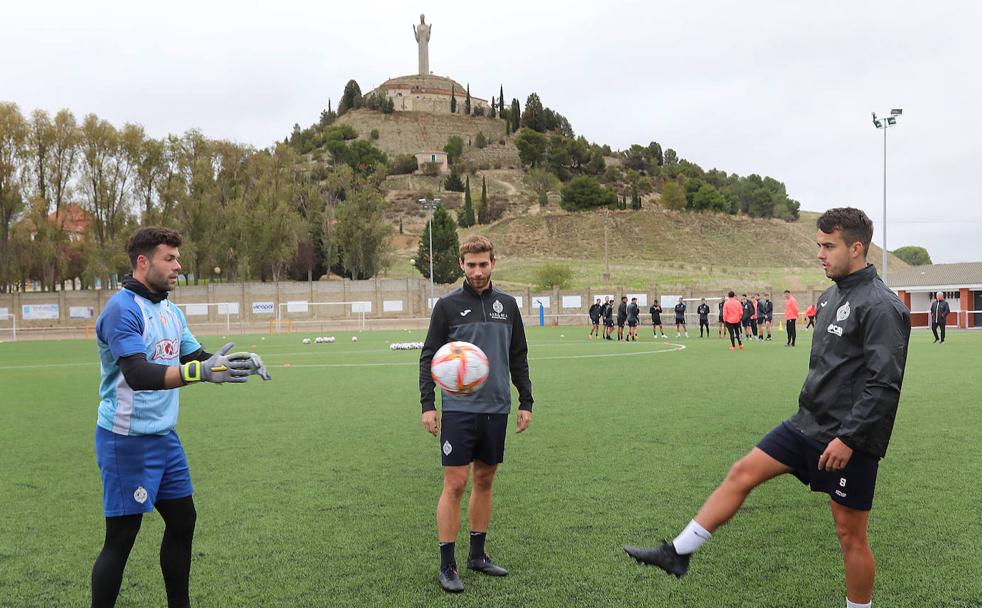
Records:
x=146, y=351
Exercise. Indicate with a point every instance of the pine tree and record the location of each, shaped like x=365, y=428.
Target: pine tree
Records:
x=467, y=101
x=466, y=217
x=482, y=209
x=453, y=101
x=446, y=248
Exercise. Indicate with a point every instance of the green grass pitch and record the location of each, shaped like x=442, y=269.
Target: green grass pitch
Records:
x=319, y=488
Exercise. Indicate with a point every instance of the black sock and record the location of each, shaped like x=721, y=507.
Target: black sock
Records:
x=477, y=544
x=447, y=559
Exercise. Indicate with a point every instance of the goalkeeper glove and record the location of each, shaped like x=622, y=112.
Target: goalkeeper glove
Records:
x=217, y=369
x=256, y=365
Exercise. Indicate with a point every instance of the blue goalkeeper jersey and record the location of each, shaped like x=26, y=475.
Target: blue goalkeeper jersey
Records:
x=131, y=324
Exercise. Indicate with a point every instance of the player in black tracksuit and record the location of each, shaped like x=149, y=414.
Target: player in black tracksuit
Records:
x=747, y=319
x=767, y=308
x=607, y=312
x=472, y=429
x=846, y=410
x=722, y=325
x=621, y=318
x=595, y=318
x=703, y=310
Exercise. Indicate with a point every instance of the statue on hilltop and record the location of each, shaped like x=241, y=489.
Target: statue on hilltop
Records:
x=422, y=33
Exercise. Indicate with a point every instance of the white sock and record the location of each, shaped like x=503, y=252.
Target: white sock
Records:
x=855, y=605
x=691, y=538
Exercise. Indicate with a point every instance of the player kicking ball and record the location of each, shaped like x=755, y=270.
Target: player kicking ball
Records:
x=845, y=415
x=146, y=351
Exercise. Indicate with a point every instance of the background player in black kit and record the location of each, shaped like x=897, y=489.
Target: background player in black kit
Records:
x=595, y=318
x=703, y=310
x=656, y=325
x=621, y=318
x=680, y=319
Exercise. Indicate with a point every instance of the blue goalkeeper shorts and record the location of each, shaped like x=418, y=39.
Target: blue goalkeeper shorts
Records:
x=139, y=470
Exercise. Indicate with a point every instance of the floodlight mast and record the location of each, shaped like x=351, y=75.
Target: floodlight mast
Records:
x=885, y=123
x=429, y=205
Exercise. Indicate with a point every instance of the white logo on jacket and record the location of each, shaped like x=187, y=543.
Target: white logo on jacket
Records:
x=497, y=307
x=843, y=313
x=465, y=312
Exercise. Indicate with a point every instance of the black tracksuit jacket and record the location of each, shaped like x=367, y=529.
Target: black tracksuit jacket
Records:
x=856, y=367
x=492, y=322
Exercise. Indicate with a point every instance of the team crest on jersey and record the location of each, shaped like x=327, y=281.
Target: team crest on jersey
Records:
x=497, y=307
x=140, y=495
x=166, y=349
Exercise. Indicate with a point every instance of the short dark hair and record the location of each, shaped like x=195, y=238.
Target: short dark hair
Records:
x=853, y=223
x=787, y=291
x=730, y=294
x=146, y=239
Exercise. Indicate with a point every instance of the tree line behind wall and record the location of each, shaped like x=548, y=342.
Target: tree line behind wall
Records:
x=252, y=214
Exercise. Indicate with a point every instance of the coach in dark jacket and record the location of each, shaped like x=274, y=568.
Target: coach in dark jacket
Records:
x=939, y=315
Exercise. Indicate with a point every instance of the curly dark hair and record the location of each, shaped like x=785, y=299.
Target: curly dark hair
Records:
x=146, y=239
x=853, y=223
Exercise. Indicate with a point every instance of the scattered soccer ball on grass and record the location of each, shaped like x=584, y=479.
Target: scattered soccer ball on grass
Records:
x=354, y=338
x=459, y=368
x=306, y=340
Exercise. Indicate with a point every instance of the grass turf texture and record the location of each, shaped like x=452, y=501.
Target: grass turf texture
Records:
x=319, y=488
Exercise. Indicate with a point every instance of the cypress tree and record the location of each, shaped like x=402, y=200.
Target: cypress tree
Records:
x=453, y=101
x=516, y=116
x=482, y=210
x=501, y=99
x=467, y=101
x=466, y=216
x=494, y=109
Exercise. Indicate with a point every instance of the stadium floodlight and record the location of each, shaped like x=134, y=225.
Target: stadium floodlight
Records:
x=889, y=121
x=429, y=205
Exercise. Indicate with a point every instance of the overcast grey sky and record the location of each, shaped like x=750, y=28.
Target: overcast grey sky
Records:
x=776, y=88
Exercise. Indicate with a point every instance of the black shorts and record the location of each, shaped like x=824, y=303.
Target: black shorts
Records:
x=620, y=322
x=608, y=323
x=656, y=320
x=680, y=320
x=632, y=322
x=746, y=322
x=851, y=487
x=466, y=437
x=595, y=321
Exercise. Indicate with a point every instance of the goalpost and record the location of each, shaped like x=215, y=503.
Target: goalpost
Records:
x=358, y=308
x=7, y=316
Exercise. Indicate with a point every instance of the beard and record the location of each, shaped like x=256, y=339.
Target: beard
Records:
x=158, y=281
x=479, y=283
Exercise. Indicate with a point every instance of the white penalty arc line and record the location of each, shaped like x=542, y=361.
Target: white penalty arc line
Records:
x=675, y=348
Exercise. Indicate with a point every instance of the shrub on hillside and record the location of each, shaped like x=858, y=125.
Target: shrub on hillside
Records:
x=586, y=193
x=403, y=164
x=481, y=140
x=553, y=275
